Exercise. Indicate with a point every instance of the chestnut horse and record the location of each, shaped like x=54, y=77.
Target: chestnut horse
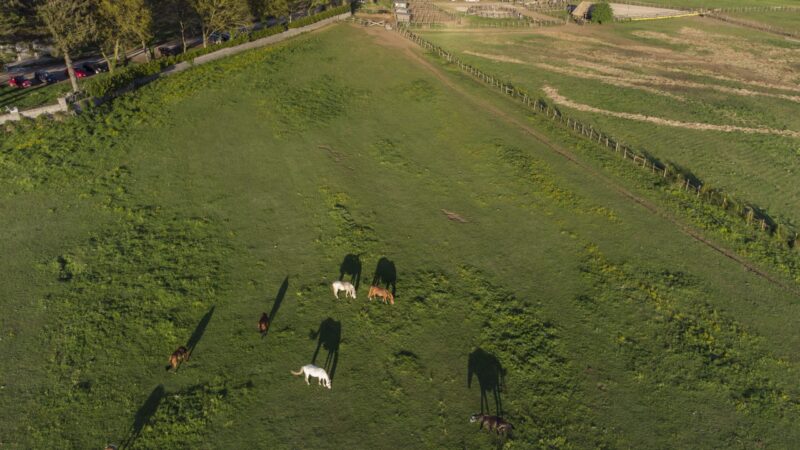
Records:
x=178, y=356
x=493, y=423
x=263, y=324
x=384, y=294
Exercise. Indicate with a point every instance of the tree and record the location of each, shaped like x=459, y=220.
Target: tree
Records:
x=602, y=13
x=19, y=22
x=71, y=25
x=279, y=8
x=175, y=13
x=126, y=20
x=217, y=16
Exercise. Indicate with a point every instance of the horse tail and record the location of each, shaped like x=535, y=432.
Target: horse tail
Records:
x=299, y=372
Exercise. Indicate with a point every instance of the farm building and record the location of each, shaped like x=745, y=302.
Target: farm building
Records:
x=400, y=4
x=403, y=17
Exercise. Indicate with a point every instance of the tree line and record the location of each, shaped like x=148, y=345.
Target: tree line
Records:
x=110, y=27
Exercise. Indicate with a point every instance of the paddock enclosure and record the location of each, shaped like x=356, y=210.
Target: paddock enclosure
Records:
x=534, y=278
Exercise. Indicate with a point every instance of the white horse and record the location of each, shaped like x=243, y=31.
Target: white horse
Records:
x=348, y=288
x=311, y=370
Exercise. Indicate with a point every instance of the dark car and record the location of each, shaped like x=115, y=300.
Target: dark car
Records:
x=45, y=77
x=20, y=82
x=219, y=38
x=167, y=50
x=91, y=68
x=79, y=73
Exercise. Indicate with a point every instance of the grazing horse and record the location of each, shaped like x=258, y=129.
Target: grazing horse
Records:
x=384, y=294
x=348, y=288
x=310, y=370
x=178, y=356
x=493, y=423
x=263, y=324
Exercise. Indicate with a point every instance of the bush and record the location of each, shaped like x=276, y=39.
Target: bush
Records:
x=308, y=20
x=602, y=13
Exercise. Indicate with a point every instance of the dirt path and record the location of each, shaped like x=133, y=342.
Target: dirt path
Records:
x=411, y=51
x=561, y=100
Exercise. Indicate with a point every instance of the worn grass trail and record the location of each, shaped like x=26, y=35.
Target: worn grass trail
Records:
x=240, y=187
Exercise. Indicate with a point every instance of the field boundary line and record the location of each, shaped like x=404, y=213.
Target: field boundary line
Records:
x=588, y=132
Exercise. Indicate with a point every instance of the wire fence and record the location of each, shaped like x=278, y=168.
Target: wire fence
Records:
x=751, y=214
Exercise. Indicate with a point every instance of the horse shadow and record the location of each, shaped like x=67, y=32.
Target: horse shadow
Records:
x=351, y=266
x=143, y=415
x=199, y=330
x=385, y=274
x=276, y=305
x=491, y=378
x=328, y=336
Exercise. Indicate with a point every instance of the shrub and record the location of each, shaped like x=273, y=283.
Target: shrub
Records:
x=602, y=13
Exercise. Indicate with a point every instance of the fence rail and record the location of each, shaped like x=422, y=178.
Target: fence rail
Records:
x=751, y=214
x=753, y=25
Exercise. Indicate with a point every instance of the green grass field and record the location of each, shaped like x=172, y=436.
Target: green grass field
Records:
x=788, y=21
x=180, y=213
x=678, y=70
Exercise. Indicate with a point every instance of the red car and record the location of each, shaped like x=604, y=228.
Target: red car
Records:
x=20, y=82
x=79, y=73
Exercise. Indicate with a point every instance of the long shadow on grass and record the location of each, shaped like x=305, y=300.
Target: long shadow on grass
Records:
x=144, y=414
x=351, y=265
x=491, y=376
x=199, y=330
x=328, y=336
x=385, y=274
x=276, y=305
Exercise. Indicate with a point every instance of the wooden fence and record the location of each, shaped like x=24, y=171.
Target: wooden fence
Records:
x=751, y=214
x=754, y=25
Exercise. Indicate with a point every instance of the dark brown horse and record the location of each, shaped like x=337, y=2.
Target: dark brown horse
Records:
x=493, y=423
x=178, y=356
x=263, y=324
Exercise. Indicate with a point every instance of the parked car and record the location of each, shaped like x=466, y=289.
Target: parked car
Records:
x=19, y=82
x=219, y=38
x=45, y=77
x=91, y=68
x=79, y=73
x=167, y=50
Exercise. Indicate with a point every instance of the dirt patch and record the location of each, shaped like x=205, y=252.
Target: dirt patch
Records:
x=556, y=97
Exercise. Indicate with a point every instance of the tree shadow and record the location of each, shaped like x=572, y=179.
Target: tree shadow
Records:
x=491, y=378
x=386, y=274
x=328, y=336
x=351, y=265
x=276, y=305
x=144, y=414
x=199, y=330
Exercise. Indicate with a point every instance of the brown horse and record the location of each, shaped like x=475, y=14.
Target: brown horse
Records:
x=493, y=423
x=384, y=294
x=263, y=324
x=178, y=356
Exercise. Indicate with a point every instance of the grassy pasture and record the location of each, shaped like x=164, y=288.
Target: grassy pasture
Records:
x=780, y=19
x=180, y=213
x=732, y=76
